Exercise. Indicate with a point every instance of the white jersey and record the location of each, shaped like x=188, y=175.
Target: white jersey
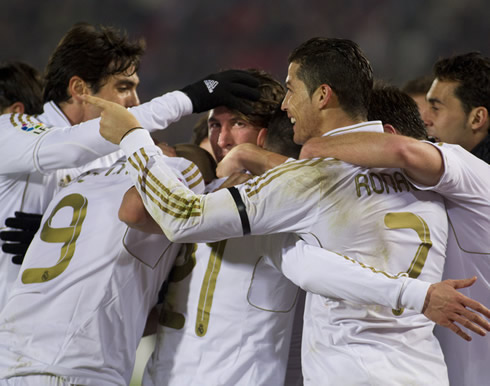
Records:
x=227, y=317
x=34, y=146
x=465, y=186
x=87, y=284
x=373, y=215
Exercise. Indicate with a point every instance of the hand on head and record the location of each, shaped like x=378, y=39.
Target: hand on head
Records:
x=115, y=120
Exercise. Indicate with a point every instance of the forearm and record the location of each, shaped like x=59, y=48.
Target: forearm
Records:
x=75, y=146
x=182, y=215
x=248, y=157
x=335, y=276
x=421, y=161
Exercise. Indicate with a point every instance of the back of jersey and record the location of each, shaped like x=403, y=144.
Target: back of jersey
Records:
x=227, y=317
x=377, y=217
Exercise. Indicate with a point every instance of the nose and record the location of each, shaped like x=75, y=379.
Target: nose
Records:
x=133, y=99
x=426, y=117
x=284, y=104
x=225, y=139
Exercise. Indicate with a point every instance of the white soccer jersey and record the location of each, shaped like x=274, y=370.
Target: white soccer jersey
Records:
x=227, y=317
x=87, y=284
x=373, y=215
x=465, y=186
x=33, y=146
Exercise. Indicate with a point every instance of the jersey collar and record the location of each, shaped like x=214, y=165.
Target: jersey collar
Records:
x=52, y=116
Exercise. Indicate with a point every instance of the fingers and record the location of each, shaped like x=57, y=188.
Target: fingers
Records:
x=96, y=101
x=461, y=283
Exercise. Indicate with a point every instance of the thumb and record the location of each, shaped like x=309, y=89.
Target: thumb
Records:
x=463, y=283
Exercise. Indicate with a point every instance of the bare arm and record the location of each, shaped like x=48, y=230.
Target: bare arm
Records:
x=421, y=161
x=249, y=157
x=134, y=214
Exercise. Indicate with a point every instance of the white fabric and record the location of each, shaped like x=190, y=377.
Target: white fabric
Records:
x=465, y=185
x=227, y=317
x=83, y=315
x=34, y=146
x=372, y=215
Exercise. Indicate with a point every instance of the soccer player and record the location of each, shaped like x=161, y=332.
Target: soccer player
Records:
x=101, y=62
x=462, y=179
x=459, y=103
x=79, y=306
x=374, y=215
x=21, y=88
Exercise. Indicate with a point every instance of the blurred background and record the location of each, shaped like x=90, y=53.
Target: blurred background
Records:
x=188, y=39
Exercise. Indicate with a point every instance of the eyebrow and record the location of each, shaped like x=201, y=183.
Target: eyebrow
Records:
x=434, y=100
x=126, y=82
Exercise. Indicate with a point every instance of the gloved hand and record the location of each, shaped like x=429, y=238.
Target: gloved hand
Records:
x=18, y=240
x=227, y=88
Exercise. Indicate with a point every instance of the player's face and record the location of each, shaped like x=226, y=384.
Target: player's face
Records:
x=298, y=104
x=445, y=119
x=119, y=88
x=226, y=130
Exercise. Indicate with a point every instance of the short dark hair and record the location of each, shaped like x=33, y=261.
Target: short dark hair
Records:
x=19, y=82
x=392, y=106
x=272, y=93
x=418, y=86
x=93, y=54
x=279, y=137
x=339, y=63
x=472, y=72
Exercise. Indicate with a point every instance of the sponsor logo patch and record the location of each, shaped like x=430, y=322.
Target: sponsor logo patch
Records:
x=37, y=128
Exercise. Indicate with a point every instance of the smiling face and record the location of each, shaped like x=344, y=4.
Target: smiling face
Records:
x=300, y=107
x=446, y=119
x=227, y=129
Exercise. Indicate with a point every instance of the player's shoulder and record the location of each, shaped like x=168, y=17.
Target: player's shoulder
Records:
x=294, y=174
x=22, y=123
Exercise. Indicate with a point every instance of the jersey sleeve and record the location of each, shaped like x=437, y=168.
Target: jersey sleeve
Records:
x=465, y=176
x=30, y=146
x=227, y=213
x=332, y=275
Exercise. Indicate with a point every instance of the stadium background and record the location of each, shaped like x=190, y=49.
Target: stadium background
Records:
x=188, y=39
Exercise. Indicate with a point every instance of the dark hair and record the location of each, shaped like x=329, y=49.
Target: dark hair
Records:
x=418, y=86
x=279, y=137
x=392, y=106
x=339, y=63
x=200, y=130
x=93, y=55
x=272, y=93
x=472, y=72
x=19, y=82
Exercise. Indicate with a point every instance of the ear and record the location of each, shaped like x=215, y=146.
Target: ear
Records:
x=16, y=107
x=478, y=118
x=261, y=137
x=323, y=95
x=76, y=87
x=389, y=129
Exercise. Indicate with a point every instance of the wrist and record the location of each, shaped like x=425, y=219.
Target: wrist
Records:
x=129, y=131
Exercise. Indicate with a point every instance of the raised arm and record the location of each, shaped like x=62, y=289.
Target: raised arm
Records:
x=421, y=161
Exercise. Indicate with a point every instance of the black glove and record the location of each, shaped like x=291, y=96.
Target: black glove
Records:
x=228, y=88
x=19, y=240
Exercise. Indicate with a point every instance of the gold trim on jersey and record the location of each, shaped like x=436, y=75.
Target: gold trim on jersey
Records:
x=347, y=129
x=159, y=194
x=257, y=184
